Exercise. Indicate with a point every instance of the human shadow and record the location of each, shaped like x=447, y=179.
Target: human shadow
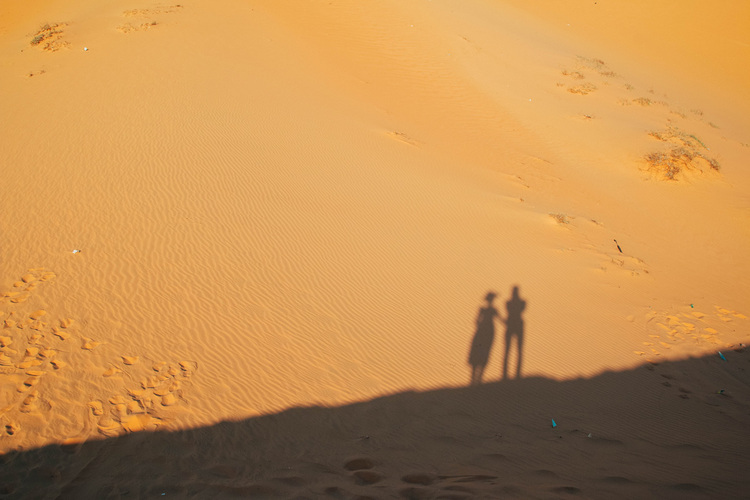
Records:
x=484, y=337
x=514, y=331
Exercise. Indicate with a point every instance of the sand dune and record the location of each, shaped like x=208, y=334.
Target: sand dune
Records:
x=213, y=212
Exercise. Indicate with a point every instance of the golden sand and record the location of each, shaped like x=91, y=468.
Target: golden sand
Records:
x=215, y=212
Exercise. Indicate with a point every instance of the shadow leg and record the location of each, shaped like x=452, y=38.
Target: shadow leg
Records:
x=505, y=358
x=520, y=356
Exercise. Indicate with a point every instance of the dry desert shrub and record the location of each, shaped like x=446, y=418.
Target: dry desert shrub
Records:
x=686, y=155
x=49, y=36
x=583, y=89
x=560, y=218
x=576, y=75
x=668, y=165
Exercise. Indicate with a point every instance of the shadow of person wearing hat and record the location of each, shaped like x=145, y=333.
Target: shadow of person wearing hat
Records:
x=514, y=330
x=484, y=336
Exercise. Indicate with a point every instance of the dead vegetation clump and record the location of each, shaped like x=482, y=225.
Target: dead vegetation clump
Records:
x=597, y=65
x=668, y=165
x=129, y=28
x=583, y=89
x=49, y=37
x=686, y=155
x=575, y=75
x=150, y=12
x=560, y=218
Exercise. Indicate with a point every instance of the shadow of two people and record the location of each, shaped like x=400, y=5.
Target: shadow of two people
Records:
x=484, y=335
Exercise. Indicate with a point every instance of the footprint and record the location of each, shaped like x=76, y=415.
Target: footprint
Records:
x=568, y=490
x=367, y=476
x=47, y=353
x=20, y=298
x=96, y=408
x=29, y=403
x=37, y=314
x=135, y=394
x=188, y=366
x=168, y=399
x=413, y=493
x=31, y=381
x=28, y=363
x=62, y=335
x=419, y=478
x=108, y=427
x=12, y=428
x=138, y=422
x=89, y=344
x=6, y=363
x=111, y=371
x=359, y=463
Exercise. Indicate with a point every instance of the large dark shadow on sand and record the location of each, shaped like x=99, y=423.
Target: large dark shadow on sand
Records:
x=656, y=431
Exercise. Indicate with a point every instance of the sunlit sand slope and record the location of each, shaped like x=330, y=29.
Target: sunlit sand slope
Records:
x=213, y=211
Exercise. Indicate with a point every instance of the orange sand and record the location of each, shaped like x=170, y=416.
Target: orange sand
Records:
x=215, y=212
